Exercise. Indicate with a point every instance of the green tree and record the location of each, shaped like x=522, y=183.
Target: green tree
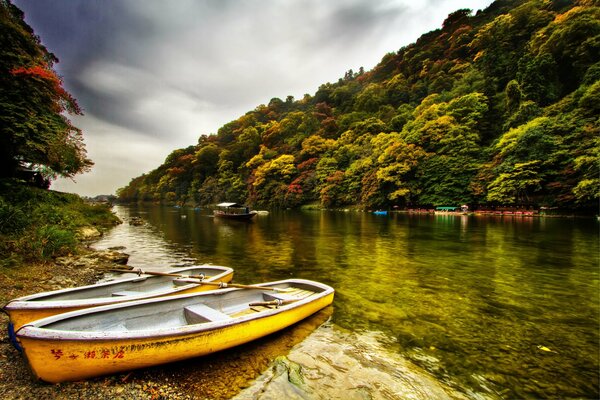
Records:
x=271, y=179
x=516, y=186
x=206, y=159
x=34, y=105
x=397, y=163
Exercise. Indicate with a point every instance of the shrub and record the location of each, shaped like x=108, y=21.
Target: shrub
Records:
x=12, y=219
x=51, y=241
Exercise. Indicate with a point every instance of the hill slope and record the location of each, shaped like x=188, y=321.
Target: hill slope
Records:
x=497, y=108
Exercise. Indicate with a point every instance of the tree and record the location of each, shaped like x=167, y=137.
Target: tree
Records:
x=34, y=105
x=397, y=166
x=516, y=186
x=271, y=180
x=207, y=158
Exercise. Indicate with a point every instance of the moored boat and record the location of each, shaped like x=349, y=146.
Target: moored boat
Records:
x=40, y=305
x=121, y=337
x=234, y=211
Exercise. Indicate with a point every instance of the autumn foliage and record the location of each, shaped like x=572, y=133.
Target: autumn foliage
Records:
x=499, y=108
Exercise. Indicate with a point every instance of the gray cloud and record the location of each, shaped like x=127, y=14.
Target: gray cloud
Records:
x=153, y=75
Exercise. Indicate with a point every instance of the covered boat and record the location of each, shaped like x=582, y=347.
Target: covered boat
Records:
x=233, y=211
x=121, y=337
x=40, y=305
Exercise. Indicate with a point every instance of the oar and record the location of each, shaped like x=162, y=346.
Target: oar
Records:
x=276, y=303
x=140, y=272
x=201, y=280
x=222, y=285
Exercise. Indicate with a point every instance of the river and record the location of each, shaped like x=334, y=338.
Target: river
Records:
x=485, y=307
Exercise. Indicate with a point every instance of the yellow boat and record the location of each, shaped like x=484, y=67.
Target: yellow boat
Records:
x=121, y=337
x=41, y=305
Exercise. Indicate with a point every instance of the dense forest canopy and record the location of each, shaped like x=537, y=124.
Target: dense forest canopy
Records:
x=496, y=108
x=36, y=132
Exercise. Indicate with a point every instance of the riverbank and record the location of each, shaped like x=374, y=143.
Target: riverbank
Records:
x=37, y=225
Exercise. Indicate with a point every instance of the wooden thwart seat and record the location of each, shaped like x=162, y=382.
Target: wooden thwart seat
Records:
x=251, y=310
x=294, y=295
x=199, y=313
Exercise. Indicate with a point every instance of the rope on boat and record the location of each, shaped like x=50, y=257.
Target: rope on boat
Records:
x=12, y=336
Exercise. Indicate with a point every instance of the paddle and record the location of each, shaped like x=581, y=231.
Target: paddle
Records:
x=276, y=303
x=140, y=272
x=201, y=281
x=222, y=285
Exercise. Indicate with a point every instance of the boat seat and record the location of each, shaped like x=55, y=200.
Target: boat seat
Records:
x=199, y=313
x=126, y=293
x=278, y=296
x=296, y=295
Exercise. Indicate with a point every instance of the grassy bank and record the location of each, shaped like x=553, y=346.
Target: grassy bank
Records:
x=37, y=225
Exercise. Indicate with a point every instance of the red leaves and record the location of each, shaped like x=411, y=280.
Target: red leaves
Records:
x=175, y=171
x=37, y=71
x=295, y=188
x=63, y=100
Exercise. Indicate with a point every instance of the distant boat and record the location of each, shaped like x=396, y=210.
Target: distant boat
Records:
x=233, y=211
x=122, y=337
x=380, y=212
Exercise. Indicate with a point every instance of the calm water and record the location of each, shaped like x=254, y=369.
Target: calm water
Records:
x=495, y=307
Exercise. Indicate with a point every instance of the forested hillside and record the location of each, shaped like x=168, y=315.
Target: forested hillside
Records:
x=497, y=108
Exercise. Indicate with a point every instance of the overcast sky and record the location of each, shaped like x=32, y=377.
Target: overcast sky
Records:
x=154, y=75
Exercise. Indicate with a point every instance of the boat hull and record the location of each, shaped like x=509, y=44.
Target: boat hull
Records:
x=40, y=305
x=223, y=215
x=57, y=359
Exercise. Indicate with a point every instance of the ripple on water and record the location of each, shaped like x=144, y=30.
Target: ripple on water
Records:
x=144, y=243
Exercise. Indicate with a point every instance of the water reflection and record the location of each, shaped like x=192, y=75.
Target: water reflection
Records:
x=495, y=306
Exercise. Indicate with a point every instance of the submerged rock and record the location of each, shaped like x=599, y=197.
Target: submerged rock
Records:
x=136, y=221
x=334, y=363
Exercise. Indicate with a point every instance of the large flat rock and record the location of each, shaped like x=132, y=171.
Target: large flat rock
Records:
x=334, y=363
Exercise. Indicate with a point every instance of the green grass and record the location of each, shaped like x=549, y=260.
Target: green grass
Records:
x=38, y=225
